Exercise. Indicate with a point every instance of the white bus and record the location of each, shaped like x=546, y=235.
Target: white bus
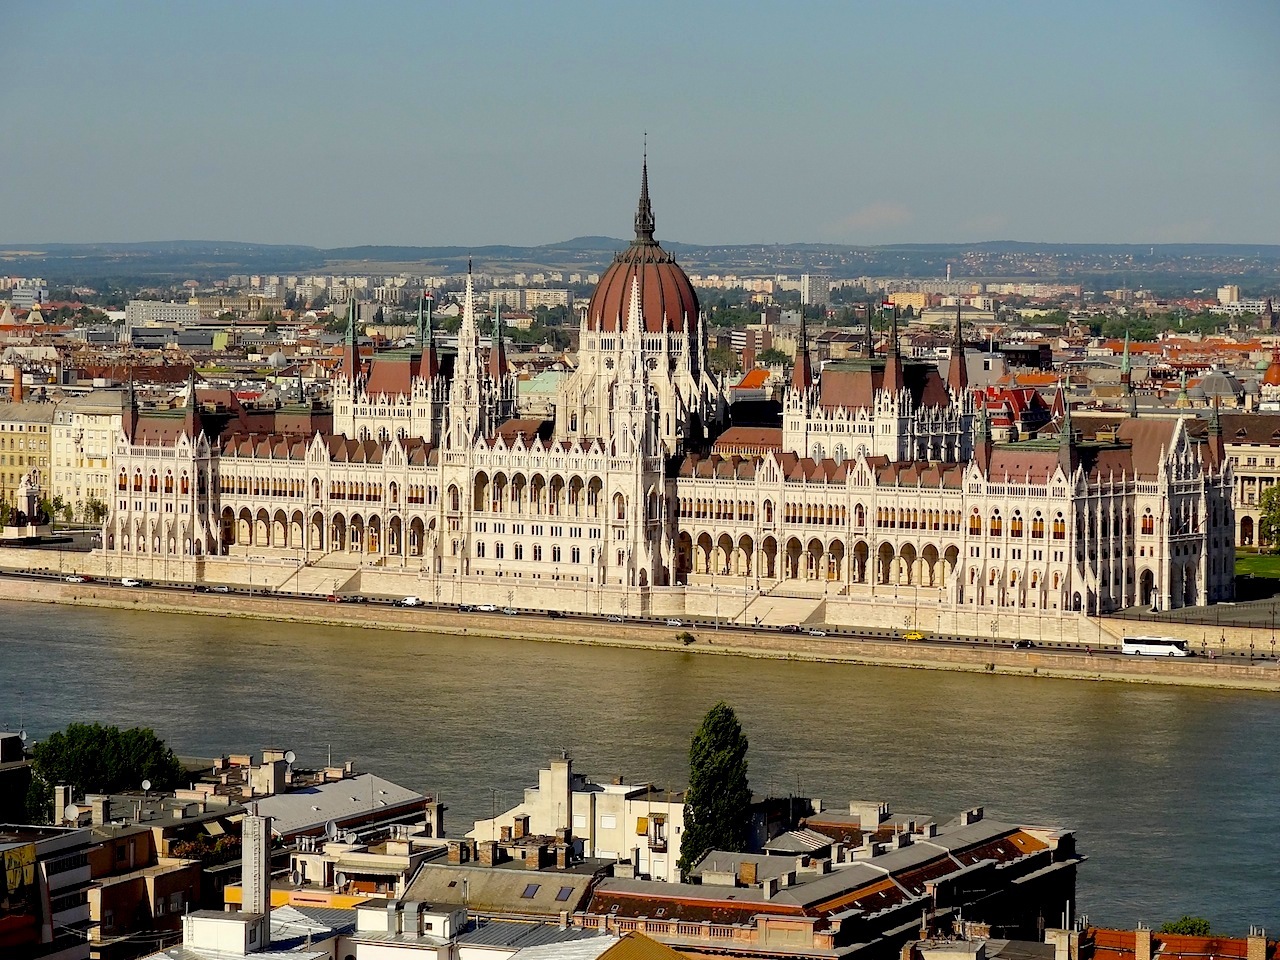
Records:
x=1155, y=647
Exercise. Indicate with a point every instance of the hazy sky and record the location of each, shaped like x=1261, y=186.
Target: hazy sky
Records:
x=477, y=122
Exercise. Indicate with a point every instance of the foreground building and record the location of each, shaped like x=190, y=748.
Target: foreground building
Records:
x=883, y=497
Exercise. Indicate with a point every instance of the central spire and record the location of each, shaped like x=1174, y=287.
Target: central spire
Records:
x=644, y=212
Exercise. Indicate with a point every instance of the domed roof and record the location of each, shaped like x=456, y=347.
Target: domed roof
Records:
x=1272, y=377
x=667, y=298
x=1219, y=383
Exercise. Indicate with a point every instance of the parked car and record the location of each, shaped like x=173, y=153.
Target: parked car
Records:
x=130, y=582
x=1023, y=645
x=76, y=578
x=410, y=602
x=487, y=608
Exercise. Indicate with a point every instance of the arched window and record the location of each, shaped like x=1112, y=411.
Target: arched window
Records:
x=997, y=525
x=1059, y=527
x=1148, y=523
x=1015, y=525
x=975, y=523
x=1037, y=526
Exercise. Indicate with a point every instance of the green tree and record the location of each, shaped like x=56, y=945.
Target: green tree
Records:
x=93, y=758
x=95, y=511
x=1269, y=519
x=772, y=356
x=723, y=360
x=717, y=811
x=1187, y=925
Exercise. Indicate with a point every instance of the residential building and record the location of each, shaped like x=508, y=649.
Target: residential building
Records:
x=512, y=297
x=45, y=912
x=535, y=297
x=25, y=431
x=85, y=429
x=159, y=313
x=636, y=822
x=815, y=289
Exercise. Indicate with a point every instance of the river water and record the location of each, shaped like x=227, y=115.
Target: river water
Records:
x=1170, y=790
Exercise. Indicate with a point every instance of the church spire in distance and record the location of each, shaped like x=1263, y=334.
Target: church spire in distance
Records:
x=644, y=212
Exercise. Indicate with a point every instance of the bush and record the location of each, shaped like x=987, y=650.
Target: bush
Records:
x=686, y=637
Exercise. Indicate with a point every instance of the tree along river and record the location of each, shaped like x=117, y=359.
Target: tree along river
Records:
x=1168, y=788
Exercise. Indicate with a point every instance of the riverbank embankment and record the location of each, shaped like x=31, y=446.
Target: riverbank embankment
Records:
x=1039, y=663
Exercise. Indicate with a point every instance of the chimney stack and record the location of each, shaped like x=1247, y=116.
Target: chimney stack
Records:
x=101, y=807
x=1142, y=943
x=255, y=870
x=1256, y=944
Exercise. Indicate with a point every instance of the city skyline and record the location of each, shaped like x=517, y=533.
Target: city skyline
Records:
x=496, y=124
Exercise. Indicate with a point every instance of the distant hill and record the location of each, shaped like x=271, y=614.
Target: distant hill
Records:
x=1099, y=263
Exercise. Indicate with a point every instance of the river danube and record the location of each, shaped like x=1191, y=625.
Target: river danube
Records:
x=1169, y=789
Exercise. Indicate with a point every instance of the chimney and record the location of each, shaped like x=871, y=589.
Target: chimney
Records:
x=521, y=826
x=101, y=807
x=971, y=816
x=1256, y=944
x=770, y=887
x=488, y=853
x=454, y=855
x=1142, y=943
x=505, y=834
x=562, y=857
x=435, y=818
x=747, y=874
x=1066, y=943
x=61, y=800
x=255, y=870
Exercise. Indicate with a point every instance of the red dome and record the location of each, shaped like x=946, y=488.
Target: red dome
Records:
x=666, y=295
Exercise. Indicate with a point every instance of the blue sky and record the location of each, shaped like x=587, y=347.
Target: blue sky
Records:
x=484, y=122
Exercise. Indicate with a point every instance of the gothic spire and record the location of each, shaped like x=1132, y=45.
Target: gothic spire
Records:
x=497, y=353
x=802, y=375
x=1126, y=378
x=893, y=379
x=644, y=212
x=958, y=373
x=192, y=408
x=422, y=302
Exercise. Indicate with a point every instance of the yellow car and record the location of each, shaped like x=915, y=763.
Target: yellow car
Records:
x=913, y=635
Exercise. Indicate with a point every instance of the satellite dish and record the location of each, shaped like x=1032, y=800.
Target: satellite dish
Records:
x=330, y=830
x=146, y=785
x=290, y=756
x=22, y=734
x=340, y=880
x=295, y=878
x=71, y=813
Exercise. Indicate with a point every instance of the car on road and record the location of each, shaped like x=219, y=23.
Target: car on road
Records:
x=913, y=635
x=219, y=588
x=673, y=622
x=815, y=632
x=614, y=618
x=465, y=607
x=76, y=578
x=510, y=611
x=1023, y=645
x=130, y=582
x=487, y=608
x=409, y=602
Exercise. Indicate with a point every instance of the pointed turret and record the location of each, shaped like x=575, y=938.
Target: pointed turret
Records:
x=1268, y=321
x=1126, y=378
x=644, y=210
x=351, y=354
x=427, y=340
x=497, y=352
x=192, y=424
x=982, y=440
x=893, y=379
x=129, y=415
x=1216, y=449
x=802, y=374
x=958, y=372
x=1065, y=437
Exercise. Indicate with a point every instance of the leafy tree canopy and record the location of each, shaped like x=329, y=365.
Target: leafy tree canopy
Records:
x=717, y=810
x=1188, y=926
x=772, y=356
x=100, y=759
x=1269, y=519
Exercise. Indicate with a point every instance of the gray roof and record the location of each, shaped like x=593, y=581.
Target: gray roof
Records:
x=513, y=934
x=311, y=808
x=501, y=889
